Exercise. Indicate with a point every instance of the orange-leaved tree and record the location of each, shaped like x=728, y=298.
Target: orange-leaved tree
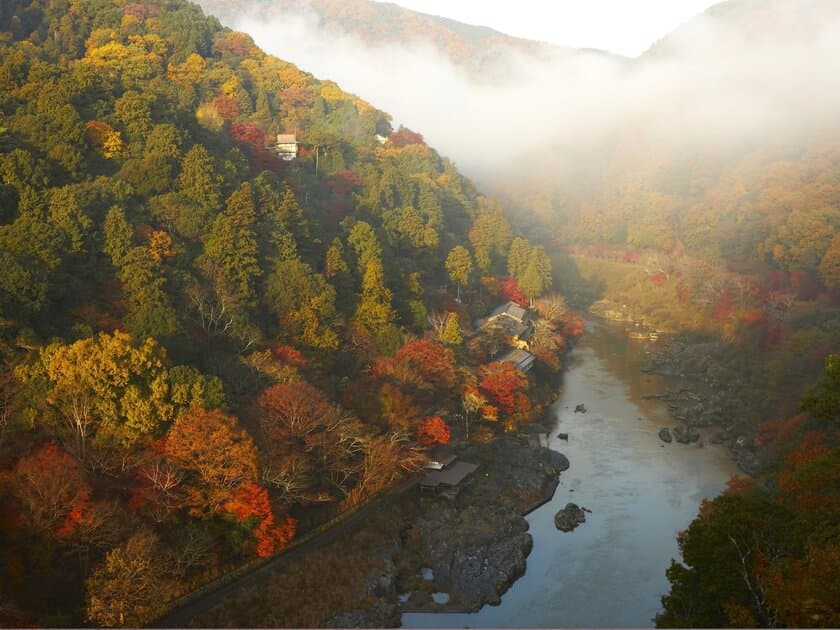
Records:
x=434, y=362
x=216, y=452
x=505, y=386
x=433, y=430
x=250, y=501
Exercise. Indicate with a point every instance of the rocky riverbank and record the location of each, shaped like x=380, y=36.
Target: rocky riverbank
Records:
x=707, y=402
x=472, y=541
x=453, y=551
x=706, y=398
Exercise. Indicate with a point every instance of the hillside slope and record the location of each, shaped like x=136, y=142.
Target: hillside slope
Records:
x=210, y=342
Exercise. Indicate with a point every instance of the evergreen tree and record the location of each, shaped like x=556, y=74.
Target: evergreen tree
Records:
x=459, y=265
x=232, y=247
x=374, y=311
x=363, y=239
x=199, y=180
x=118, y=236
x=144, y=281
x=518, y=257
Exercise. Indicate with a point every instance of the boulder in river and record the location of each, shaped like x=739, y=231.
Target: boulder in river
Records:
x=569, y=517
x=686, y=434
x=560, y=461
x=665, y=435
x=718, y=438
x=581, y=408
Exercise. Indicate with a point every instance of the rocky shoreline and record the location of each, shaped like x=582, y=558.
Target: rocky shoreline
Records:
x=705, y=402
x=463, y=548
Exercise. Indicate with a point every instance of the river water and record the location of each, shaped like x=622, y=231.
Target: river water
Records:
x=610, y=571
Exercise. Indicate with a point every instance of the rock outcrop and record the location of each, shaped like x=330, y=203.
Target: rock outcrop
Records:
x=569, y=517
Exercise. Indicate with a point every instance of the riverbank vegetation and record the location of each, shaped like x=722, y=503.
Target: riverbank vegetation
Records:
x=766, y=343
x=766, y=552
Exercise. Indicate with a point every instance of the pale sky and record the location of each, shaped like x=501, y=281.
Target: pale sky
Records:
x=626, y=27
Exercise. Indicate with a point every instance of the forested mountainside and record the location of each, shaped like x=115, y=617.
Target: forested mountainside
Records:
x=485, y=53
x=212, y=339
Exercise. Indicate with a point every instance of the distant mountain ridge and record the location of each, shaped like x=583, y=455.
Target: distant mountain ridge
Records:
x=481, y=50
x=752, y=20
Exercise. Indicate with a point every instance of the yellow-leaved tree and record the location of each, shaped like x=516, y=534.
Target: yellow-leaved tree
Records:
x=108, y=391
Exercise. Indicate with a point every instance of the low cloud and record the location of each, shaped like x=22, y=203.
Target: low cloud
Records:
x=718, y=80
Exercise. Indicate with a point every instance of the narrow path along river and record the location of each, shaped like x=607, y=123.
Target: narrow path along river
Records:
x=610, y=571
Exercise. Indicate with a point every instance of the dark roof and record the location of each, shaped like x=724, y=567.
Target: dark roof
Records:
x=511, y=309
x=519, y=329
x=439, y=460
x=520, y=358
x=451, y=476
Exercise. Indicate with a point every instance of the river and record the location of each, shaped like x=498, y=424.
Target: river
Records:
x=610, y=571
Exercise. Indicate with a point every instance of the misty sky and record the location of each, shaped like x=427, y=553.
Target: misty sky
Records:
x=620, y=26
x=719, y=81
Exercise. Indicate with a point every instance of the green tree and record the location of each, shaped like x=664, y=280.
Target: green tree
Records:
x=374, y=311
x=830, y=265
x=490, y=236
x=519, y=257
x=199, y=179
x=536, y=277
x=824, y=401
x=717, y=584
x=132, y=109
x=363, y=239
x=459, y=265
x=143, y=277
x=231, y=248
x=291, y=216
x=165, y=140
x=304, y=302
x=337, y=272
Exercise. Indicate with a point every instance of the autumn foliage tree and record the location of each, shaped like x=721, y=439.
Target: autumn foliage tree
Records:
x=114, y=393
x=432, y=430
x=217, y=453
x=250, y=501
x=764, y=553
x=291, y=411
x=52, y=490
x=397, y=408
x=504, y=386
x=434, y=362
x=129, y=586
x=509, y=289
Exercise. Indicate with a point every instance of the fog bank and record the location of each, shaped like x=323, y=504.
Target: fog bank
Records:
x=725, y=77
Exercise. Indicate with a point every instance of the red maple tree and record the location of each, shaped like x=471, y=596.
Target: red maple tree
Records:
x=433, y=430
x=251, y=501
x=504, y=385
x=434, y=362
x=52, y=490
x=509, y=289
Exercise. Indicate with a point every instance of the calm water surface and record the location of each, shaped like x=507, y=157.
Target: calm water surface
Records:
x=610, y=571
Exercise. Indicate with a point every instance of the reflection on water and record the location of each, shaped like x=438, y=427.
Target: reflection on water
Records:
x=610, y=571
